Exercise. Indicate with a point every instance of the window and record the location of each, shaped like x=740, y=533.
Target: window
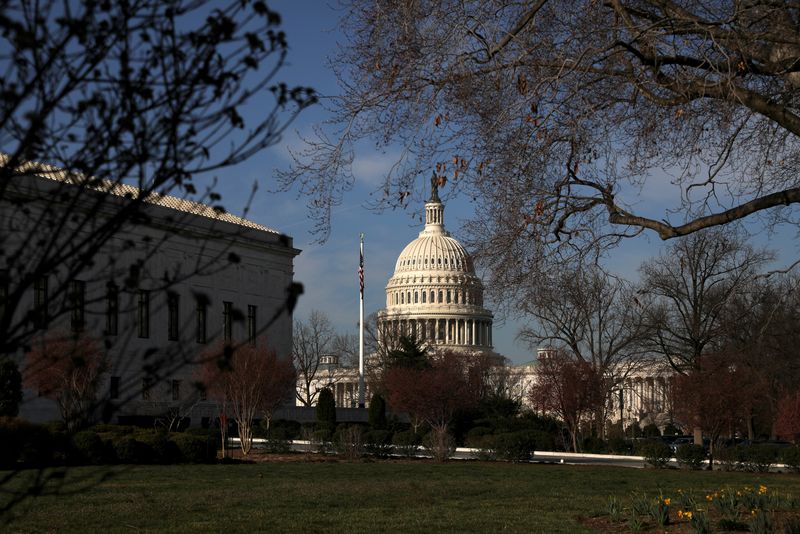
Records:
x=448, y=296
x=423, y=297
x=402, y=298
x=113, y=388
x=227, y=321
x=176, y=390
x=440, y=297
x=201, y=321
x=77, y=300
x=433, y=297
x=416, y=297
x=455, y=297
x=143, y=313
x=112, y=309
x=173, y=315
x=40, y=301
x=251, y=324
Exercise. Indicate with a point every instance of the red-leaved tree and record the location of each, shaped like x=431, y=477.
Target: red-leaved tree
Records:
x=433, y=394
x=67, y=368
x=567, y=388
x=712, y=396
x=249, y=380
x=787, y=424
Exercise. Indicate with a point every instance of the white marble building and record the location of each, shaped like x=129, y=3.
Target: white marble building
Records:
x=156, y=295
x=434, y=294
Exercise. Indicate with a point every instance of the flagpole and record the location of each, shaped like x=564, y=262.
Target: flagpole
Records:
x=361, y=327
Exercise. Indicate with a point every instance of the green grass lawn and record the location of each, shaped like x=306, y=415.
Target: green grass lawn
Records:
x=339, y=497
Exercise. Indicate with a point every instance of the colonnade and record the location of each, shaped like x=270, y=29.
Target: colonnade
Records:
x=443, y=331
x=645, y=395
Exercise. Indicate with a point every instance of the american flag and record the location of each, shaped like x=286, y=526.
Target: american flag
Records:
x=361, y=267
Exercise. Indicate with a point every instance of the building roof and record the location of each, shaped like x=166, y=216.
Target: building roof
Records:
x=123, y=190
x=434, y=252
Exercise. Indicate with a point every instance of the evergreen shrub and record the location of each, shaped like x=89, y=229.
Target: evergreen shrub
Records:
x=690, y=456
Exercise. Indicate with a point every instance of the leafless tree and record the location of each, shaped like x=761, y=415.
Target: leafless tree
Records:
x=312, y=340
x=114, y=105
x=597, y=318
x=763, y=346
x=689, y=287
x=555, y=117
x=105, y=108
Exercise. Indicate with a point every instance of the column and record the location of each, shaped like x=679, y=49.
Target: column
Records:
x=447, y=331
x=472, y=340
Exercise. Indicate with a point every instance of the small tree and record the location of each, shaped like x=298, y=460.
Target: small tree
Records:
x=326, y=410
x=787, y=424
x=710, y=396
x=10, y=388
x=567, y=388
x=433, y=394
x=67, y=368
x=247, y=379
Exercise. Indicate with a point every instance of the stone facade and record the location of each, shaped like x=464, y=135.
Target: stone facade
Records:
x=186, y=295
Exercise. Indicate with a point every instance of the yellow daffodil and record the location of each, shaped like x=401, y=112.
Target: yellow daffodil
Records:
x=667, y=501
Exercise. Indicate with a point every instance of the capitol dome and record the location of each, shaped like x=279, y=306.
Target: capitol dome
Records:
x=434, y=294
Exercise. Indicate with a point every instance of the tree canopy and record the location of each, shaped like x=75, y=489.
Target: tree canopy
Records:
x=556, y=117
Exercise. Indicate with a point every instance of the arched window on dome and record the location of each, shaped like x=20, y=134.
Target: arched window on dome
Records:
x=416, y=297
x=445, y=261
x=440, y=260
x=433, y=297
x=408, y=297
x=426, y=261
x=423, y=297
x=455, y=297
x=440, y=297
x=402, y=301
x=448, y=296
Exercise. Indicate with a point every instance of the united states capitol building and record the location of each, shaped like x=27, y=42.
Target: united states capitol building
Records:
x=434, y=296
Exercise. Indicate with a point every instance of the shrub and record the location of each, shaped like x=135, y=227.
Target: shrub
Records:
x=406, y=443
x=91, y=449
x=620, y=446
x=690, y=456
x=350, y=442
x=378, y=443
x=633, y=431
x=195, y=449
x=726, y=458
x=671, y=429
x=377, y=412
x=757, y=458
x=592, y=444
x=326, y=410
x=515, y=446
x=164, y=451
x=129, y=450
x=791, y=457
x=655, y=453
x=276, y=440
x=651, y=431
x=439, y=444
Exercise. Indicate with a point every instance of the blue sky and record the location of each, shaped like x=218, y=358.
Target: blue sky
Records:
x=328, y=271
